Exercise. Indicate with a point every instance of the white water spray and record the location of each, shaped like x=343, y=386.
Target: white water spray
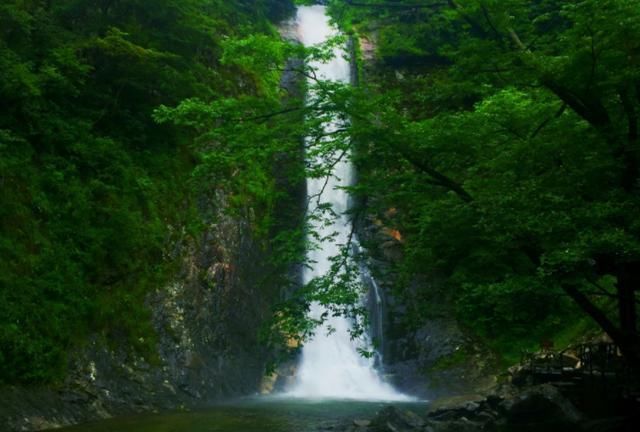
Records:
x=331, y=366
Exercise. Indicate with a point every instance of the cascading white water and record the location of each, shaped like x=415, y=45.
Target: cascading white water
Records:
x=331, y=366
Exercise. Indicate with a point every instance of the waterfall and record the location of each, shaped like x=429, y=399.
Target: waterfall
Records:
x=330, y=365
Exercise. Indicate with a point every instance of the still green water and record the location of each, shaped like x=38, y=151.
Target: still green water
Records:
x=249, y=415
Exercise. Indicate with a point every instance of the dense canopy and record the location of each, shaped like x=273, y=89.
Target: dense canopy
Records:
x=497, y=139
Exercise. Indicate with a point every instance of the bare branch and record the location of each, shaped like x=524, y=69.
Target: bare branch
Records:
x=544, y=124
x=438, y=179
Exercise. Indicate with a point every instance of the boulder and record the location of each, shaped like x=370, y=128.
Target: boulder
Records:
x=392, y=419
x=539, y=404
x=460, y=425
x=455, y=408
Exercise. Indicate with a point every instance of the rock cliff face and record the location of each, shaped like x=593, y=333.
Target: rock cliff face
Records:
x=432, y=357
x=206, y=321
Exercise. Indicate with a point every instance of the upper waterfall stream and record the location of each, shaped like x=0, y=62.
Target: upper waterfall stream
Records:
x=331, y=366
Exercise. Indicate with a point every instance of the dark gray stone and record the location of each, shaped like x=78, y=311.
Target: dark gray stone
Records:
x=392, y=419
x=540, y=403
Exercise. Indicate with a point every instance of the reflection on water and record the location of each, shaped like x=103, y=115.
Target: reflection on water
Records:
x=266, y=414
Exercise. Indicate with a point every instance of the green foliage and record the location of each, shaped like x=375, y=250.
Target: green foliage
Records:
x=501, y=133
x=239, y=141
x=91, y=184
x=458, y=358
x=502, y=136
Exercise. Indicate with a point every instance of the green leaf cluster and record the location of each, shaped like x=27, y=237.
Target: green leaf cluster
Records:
x=92, y=188
x=504, y=137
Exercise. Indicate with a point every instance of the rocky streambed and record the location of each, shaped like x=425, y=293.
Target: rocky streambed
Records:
x=508, y=408
x=540, y=408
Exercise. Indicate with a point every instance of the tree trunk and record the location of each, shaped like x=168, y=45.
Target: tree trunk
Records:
x=628, y=344
x=630, y=151
x=628, y=281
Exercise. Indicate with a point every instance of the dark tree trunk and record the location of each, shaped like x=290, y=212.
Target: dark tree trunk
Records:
x=630, y=151
x=629, y=345
x=628, y=282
